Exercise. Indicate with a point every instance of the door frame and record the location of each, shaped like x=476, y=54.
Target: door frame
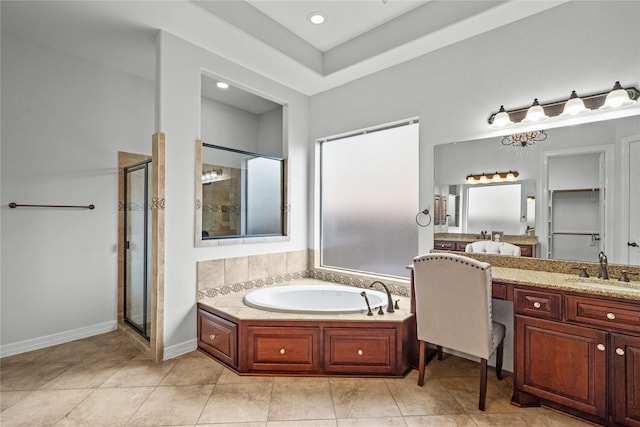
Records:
x=154, y=348
x=625, y=192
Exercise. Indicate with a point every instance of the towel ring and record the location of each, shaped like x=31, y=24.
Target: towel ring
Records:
x=425, y=213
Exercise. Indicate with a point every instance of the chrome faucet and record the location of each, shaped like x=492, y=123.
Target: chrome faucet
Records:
x=603, y=272
x=389, y=299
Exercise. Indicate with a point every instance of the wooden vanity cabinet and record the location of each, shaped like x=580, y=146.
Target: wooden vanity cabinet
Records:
x=218, y=337
x=307, y=347
x=578, y=353
x=460, y=246
x=347, y=350
x=625, y=379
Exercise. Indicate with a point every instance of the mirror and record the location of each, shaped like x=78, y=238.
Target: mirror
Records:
x=242, y=194
x=539, y=177
x=240, y=169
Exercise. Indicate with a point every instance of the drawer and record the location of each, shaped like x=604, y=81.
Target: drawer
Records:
x=347, y=350
x=594, y=311
x=499, y=291
x=461, y=246
x=444, y=245
x=526, y=250
x=283, y=349
x=546, y=305
x=218, y=337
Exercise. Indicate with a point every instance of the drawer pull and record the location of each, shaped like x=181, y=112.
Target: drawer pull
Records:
x=282, y=351
x=536, y=304
x=600, y=347
x=212, y=337
x=360, y=352
x=611, y=316
x=619, y=351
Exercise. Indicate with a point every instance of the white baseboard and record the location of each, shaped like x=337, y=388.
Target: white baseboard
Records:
x=57, y=338
x=180, y=349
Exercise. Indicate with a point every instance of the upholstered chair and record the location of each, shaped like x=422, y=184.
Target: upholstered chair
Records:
x=453, y=310
x=491, y=247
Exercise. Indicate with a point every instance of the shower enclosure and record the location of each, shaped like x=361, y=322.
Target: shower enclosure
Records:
x=137, y=244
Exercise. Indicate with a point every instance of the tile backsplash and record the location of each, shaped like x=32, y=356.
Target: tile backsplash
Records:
x=223, y=276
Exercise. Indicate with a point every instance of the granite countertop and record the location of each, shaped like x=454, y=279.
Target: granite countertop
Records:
x=568, y=282
x=233, y=305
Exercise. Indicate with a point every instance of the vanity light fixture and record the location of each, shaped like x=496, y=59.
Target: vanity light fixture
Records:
x=211, y=176
x=485, y=178
x=618, y=97
x=524, y=139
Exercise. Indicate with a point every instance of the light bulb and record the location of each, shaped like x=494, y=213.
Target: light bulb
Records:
x=535, y=113
x=617, y=98
x=574, y=106
x=501, y=119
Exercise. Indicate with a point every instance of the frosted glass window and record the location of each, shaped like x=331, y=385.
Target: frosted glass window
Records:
x=369, y=200
x=494, y=208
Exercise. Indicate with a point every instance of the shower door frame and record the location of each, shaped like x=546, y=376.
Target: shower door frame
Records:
x=145, y=330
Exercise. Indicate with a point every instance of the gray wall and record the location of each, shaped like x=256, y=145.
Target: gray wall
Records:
x=63, y=122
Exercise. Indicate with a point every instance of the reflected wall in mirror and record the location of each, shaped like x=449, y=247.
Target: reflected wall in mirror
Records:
x=540, y=173
x=242, y=194
x=240, y=169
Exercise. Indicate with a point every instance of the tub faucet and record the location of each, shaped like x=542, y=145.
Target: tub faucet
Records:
x=389, y=299
x=603, y=272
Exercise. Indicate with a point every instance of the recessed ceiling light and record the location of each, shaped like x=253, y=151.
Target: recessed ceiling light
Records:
x=316, y=18
x=222, y=85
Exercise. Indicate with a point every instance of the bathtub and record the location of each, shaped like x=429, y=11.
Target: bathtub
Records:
x=328, y=299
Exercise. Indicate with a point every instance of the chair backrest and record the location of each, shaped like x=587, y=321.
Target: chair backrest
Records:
x=491, y=247
x=453, y=302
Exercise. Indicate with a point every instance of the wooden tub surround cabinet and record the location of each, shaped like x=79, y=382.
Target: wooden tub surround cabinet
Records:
x=577, y=343
x=258, y=342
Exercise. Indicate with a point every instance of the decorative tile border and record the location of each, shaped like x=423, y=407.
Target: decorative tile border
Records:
x=396, y=288
x=251, y=284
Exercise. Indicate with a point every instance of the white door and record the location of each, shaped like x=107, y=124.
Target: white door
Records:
x=634, y=203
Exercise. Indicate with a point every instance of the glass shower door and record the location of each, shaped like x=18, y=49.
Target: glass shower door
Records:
x=137, y=235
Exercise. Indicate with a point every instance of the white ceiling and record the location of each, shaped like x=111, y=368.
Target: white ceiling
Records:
x=346, y=19
x=270, y=37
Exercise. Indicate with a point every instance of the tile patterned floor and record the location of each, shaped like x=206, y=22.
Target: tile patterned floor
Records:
x=105, y=381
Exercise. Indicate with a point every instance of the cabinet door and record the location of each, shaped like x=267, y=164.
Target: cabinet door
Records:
x=347, y=350
x=218, y=337
x=562, y=363
x=625, y=381
x=283, y=349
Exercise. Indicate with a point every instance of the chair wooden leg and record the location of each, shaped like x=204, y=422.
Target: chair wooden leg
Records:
x=439, y=347
x=421, y=363
x=499, y=353
x=483, y=384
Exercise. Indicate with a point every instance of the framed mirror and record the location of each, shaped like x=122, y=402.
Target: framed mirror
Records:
x=547, y=170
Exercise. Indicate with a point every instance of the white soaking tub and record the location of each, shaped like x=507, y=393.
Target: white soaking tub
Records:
x=315, y=299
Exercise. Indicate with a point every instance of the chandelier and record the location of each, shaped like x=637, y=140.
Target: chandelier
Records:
x=524, y=139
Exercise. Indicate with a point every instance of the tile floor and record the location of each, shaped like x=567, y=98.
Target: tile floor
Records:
x=105, y=381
